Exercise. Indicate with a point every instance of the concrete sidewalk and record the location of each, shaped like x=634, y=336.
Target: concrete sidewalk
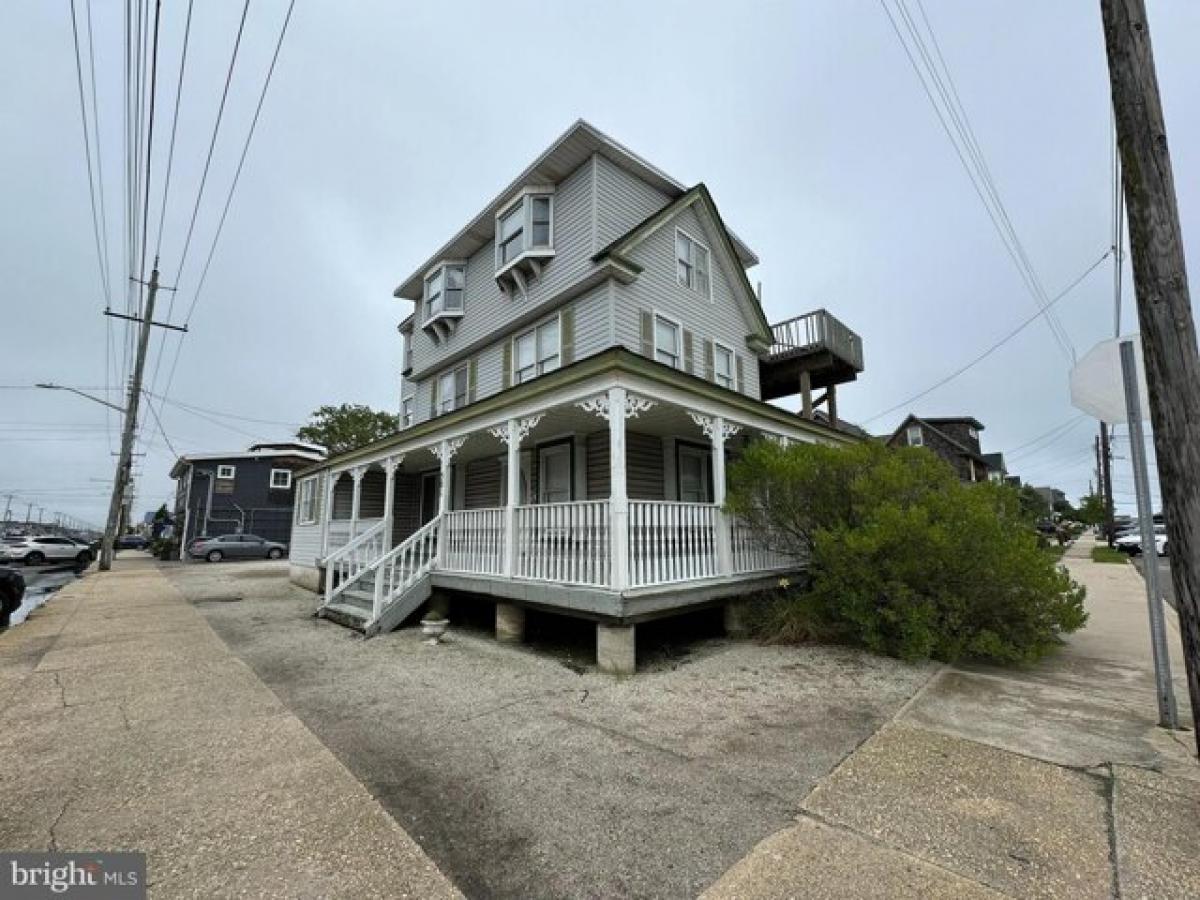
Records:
x=126, y=723
x=1048, y=782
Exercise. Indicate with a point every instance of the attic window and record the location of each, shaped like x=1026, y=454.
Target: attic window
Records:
x=915, y=439
x=524, y=236
x=691, y=263
x=973, y=433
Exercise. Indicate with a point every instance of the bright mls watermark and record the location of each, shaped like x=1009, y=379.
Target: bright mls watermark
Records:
x=96, y=876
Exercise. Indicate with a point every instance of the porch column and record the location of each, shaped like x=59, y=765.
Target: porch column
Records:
x=510, y=506
x=724, y=545
x=444, y=451
x=357, y=474
x=389, y=467
x=619, y=497
x=327, y=512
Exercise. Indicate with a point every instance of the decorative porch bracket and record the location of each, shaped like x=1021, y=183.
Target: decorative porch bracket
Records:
x=506, y=434
x=601, y=405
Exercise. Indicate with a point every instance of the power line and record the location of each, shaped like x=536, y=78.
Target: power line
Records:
x=87, y=150
x=1048, y=439
x=976, y=169
x=224, y=415
x=994, y=347
x=162, y=213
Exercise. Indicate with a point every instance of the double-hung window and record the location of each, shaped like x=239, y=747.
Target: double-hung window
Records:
x=667, y=347
x=536, y=352
x=914, y=436
x=406, y=412
x=723, y=365
x=307, y=501
x=408, y=350
x=281, y=479
x=444, y=291
x=691, y=262
x=524, y=226
x=452, y=390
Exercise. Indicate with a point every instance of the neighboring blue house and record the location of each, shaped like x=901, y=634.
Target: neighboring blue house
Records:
x=249, y=492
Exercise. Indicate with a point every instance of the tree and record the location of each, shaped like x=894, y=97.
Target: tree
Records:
x=340, y=429
x=903, y=557
x=1033, y=505
x=1091, y=509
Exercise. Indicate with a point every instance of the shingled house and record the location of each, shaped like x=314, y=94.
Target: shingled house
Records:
x=955, y=439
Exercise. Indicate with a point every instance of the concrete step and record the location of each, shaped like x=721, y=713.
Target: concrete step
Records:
x=346, y=615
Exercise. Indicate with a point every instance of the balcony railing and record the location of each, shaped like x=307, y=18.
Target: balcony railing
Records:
x=818, y=330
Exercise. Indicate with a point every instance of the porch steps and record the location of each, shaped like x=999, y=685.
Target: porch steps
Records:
x=346, y=615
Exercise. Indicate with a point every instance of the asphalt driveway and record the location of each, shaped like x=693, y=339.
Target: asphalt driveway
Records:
x=523, y=772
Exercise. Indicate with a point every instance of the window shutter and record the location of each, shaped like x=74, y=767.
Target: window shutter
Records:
x=435, y=382
x=472, y=378
x=688, y=363
x=647, y=334
x=741, y=374
x=566, y=334
x=506, y=365
x=709, y=364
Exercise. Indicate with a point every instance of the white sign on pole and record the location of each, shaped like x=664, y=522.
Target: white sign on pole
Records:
x=1097, y=386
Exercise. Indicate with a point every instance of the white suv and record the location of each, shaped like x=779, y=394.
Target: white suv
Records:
x=33, y=551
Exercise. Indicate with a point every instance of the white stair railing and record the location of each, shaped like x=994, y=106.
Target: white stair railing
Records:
x=404, y=565
x=349, y=563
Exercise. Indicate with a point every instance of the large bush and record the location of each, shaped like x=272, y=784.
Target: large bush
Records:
x=905, y=559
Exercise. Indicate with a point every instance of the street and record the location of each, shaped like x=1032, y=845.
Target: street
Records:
x=1165, y=584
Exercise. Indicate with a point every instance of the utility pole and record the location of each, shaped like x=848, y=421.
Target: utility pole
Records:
x=1106, y=468
x=1164, y=307
x=125, y=458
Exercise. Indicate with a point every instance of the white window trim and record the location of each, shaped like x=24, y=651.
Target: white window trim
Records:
x=281, y=487
x=521, y=197
x=707, y=249
x=972, y=433
x=656, y=315
x=226, y=473
x=920, y=436
x=307, y=501
x=533, y=329
x=719, y=345
x=407, y=409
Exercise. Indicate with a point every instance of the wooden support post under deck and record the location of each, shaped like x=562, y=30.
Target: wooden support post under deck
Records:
x=619, y=500
x=831, y=405
x=724, y=546
x=510, y=507
x=806, y=408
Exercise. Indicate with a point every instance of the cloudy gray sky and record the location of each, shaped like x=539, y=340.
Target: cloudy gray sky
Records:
x=388, y=125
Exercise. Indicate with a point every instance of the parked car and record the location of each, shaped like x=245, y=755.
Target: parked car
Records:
x=132, y=542
x=12, y=592
x=236, y=546
x=33, y=551
x=1132, y=543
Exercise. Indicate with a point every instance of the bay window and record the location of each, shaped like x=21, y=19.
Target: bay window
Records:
x=524, y=227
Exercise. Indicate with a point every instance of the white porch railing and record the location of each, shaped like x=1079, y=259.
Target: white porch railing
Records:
x=346, y=564
x=751, y=554
x=404, y=565
x=671, y=542
x=564, y=542
x=474, y=541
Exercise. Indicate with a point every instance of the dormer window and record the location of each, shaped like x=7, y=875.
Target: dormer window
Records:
x=443, y=299
x=524, y=237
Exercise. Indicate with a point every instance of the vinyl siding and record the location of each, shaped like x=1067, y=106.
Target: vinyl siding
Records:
x=643, y=466
x=482, y=483
x=622, y=201
x=657, y=289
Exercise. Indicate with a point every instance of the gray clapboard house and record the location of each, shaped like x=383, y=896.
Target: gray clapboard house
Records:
x=595, y=311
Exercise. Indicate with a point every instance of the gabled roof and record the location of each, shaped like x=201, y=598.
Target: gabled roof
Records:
x=697, y=196
x=928, y=423
x=955, y=420
x=573, y=148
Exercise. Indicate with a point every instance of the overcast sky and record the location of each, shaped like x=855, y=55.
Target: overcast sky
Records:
x=388, y=125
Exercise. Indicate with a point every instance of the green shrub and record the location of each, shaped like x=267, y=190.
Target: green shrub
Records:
x=904, y=558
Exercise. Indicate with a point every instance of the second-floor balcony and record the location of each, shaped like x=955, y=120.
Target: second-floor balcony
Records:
x=816, y=343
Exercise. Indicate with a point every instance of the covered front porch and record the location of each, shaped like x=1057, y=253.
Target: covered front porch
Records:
x=528, y=508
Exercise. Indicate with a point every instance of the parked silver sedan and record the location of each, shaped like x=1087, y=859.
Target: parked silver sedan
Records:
x=236, y=546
